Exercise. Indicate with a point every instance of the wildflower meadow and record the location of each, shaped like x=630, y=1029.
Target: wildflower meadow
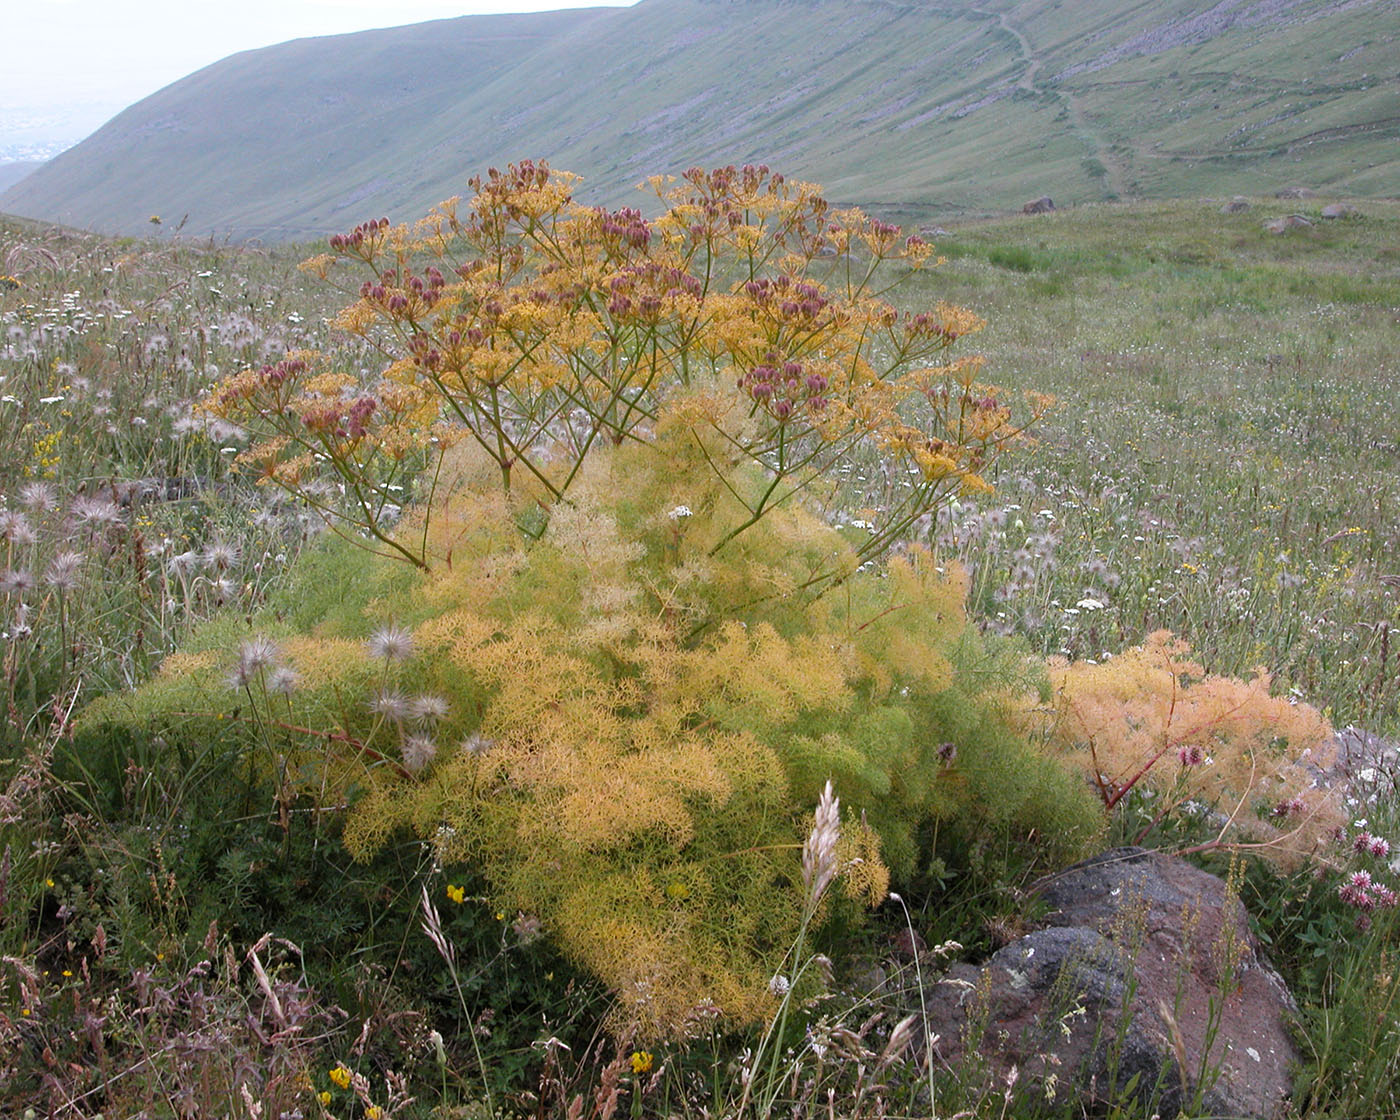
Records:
x=544, y=660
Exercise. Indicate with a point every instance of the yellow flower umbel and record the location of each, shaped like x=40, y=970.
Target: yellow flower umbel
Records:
x=641, y=1062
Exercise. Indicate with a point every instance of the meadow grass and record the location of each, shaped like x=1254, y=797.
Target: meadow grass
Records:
x=1223, y=459
x=1223, y=463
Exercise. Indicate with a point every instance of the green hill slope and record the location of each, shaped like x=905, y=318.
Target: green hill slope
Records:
x=932, y=107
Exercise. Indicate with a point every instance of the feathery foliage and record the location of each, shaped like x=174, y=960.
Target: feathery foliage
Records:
x=624, y=754
x=1155, y=718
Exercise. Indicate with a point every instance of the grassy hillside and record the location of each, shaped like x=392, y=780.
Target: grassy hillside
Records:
x=951, y=108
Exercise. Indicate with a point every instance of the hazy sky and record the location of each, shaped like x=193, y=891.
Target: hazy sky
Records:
x=94, y=57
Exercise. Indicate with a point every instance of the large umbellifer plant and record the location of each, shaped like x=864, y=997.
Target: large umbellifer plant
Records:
x=629, y=646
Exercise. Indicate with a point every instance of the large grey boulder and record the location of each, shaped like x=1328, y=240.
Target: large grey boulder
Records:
x=1042, y=205
x=1144, y=982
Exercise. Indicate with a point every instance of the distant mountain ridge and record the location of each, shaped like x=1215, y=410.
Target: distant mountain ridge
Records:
x=922, y=107
x=13, y=172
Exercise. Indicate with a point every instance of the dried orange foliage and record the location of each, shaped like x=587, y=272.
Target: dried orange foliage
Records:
x=1153, y=718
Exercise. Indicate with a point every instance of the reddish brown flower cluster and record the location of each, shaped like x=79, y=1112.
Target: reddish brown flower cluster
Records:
x=345, y=420
x=640, y=289
x=396, y=293
x=793, y=299
x=366, y=231
x=626, y=227
x=273, y=376
x=929, y=324
x=780, y=387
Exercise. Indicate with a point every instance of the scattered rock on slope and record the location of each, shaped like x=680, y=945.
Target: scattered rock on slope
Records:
x=1283, y=225
x=1141, y=932
x=1042, y=205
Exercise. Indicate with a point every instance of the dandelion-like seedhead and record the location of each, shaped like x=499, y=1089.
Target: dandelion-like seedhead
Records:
x=255, y=657
x=64, y=571
x=38, y=497
x=391, y=643
x=391, y=704
x=427, y=709
x=220, y=556
x=15, y=528
x=182, y=563
x=283, y=680
x=476, y=743
x=223, y=590
x=95, y=511
x=16, y=581
x=418, y=752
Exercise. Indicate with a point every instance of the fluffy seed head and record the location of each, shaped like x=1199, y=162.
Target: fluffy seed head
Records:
x=418, y=751
x=254, y=655
x=283, y=680
x=220, y=556
x=391, y=643
x=38, y=496
x=16, y=581
x=390, y=703
x=15, y=527
x=427, y=709
x=64, y=570
x=95, y=510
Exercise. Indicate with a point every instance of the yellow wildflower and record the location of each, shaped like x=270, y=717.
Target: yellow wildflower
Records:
x=456, y=894
x=641, y=1062
x=340, y=1076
